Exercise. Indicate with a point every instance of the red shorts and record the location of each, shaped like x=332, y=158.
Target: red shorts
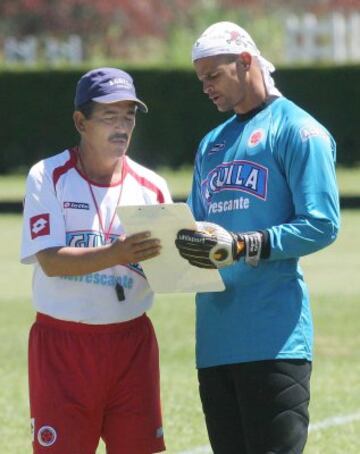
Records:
x=94, y=381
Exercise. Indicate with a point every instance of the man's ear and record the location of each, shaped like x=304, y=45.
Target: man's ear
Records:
x=79, y=121
x=243, y=62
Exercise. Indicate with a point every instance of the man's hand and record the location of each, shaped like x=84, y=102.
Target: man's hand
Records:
x=136, y=248
x=65, y=261
x=211, y=246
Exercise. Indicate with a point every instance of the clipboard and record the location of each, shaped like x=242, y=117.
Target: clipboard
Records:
x=168, y=272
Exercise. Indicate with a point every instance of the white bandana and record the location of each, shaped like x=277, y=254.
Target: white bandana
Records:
x=229, y=38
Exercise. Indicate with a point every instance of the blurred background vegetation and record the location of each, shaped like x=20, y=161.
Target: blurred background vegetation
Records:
x=150, y=32
x=45, y=46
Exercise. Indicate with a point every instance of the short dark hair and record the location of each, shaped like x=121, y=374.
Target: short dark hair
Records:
x=87, y=108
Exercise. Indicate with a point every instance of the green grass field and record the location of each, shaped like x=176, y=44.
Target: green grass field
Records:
x=334, y=279
x=12, y=187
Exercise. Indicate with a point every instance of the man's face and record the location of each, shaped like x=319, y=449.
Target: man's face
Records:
x=224, y=84
x=110, y=127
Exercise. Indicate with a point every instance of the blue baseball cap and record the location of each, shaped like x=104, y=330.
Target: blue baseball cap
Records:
x=106, y=85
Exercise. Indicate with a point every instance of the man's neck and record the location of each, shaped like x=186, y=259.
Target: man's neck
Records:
x=251, y=113
x=252, y=101
x=256, y=93
x=98, y=169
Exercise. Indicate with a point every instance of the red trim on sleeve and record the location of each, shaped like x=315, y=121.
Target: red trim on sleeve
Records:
x=145, y=182
x=69, y=164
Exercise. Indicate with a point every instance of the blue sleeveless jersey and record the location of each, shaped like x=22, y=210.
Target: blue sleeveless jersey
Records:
x=274, y=172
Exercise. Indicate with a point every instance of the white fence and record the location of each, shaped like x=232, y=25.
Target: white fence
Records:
x=31, y=50
x=308, y=38
x=335, y=38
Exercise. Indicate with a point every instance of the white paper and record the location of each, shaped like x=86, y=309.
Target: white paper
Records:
x=168, y=272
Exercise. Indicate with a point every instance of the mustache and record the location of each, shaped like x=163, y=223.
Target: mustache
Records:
x=119, y=136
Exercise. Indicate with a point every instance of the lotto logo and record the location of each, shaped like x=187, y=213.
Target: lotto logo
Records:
x=40, y=225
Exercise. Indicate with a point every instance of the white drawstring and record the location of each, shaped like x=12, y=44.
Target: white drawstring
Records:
x=267, y=68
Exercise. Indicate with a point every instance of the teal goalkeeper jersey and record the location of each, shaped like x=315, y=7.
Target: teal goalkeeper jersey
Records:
x=273, y=170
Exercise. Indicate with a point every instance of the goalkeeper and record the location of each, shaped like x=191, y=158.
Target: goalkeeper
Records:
x=264, y=194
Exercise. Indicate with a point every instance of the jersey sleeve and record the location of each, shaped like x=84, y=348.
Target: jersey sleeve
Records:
x=307, y=155
x=165, y=191
x=195, y=200
x=43, y=221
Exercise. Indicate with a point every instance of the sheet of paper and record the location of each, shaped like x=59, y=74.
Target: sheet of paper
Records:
x=169, y=272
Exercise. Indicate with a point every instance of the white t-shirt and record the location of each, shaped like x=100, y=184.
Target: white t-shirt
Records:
x=60, y=211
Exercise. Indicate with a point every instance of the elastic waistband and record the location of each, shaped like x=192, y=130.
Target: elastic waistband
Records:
x=79, y=327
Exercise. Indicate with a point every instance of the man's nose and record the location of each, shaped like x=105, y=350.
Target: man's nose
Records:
x=120, y=124
x=206, y=87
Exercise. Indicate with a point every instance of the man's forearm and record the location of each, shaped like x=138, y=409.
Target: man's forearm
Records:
x=65, y=261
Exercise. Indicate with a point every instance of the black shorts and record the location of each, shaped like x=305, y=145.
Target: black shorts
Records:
x=257, y=408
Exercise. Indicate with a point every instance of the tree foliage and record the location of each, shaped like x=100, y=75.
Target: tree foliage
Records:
x=150, y=30
x=111, y=28
x=138, y=17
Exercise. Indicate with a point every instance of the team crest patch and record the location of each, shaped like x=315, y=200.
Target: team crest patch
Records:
x=46, y=436
x=256, y=137
x=40, y=225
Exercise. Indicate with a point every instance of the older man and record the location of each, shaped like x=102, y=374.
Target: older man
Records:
x=93, y=354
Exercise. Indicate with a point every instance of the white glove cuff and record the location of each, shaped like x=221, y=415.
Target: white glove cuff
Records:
x=253, y=245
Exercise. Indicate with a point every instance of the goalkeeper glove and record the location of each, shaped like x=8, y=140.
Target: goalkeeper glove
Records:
x=211, y=246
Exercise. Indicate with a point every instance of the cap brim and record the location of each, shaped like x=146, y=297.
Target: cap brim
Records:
x=116, y=97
